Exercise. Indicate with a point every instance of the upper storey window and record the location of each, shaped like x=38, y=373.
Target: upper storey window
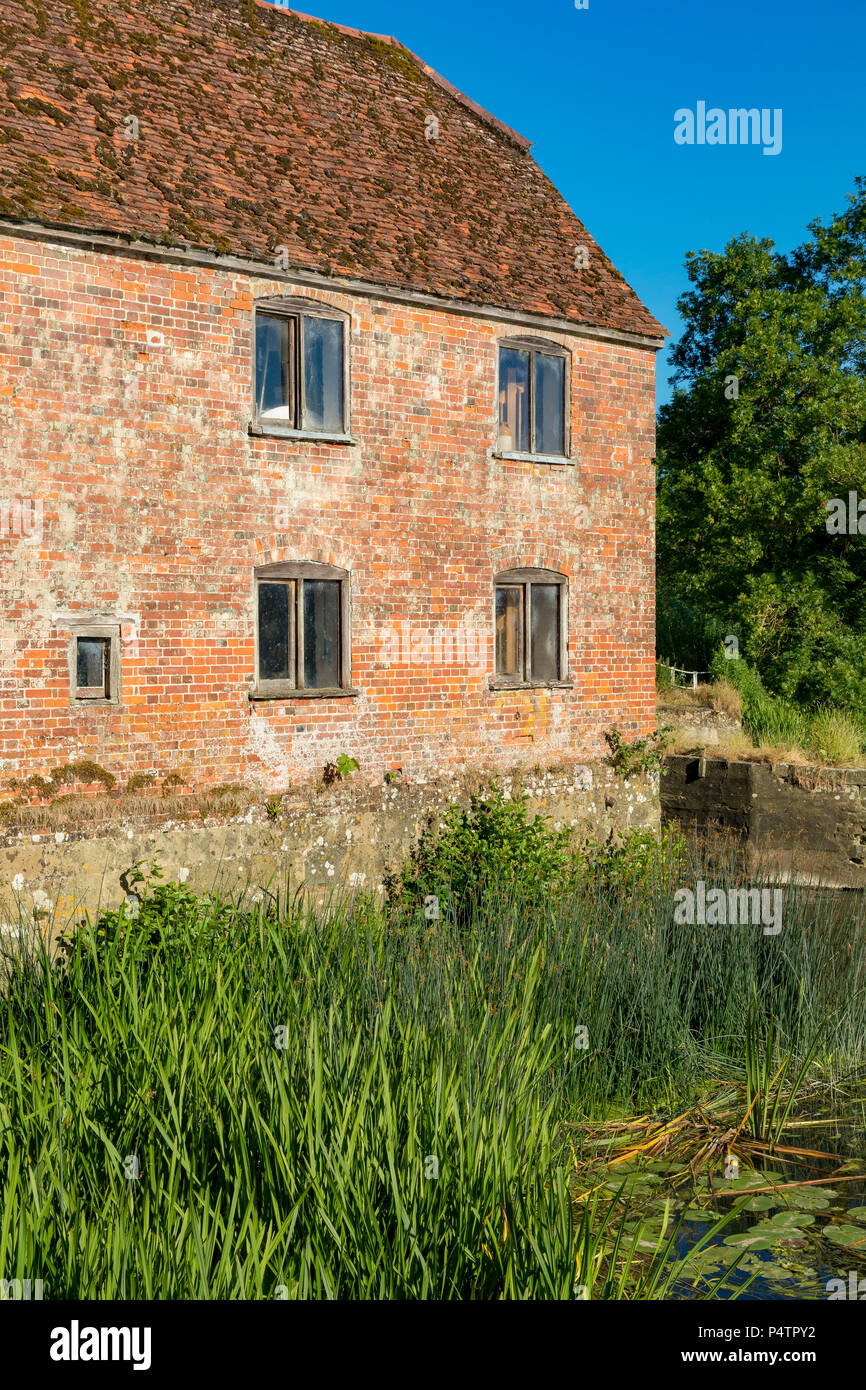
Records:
x=533, y=390
x=300, y=369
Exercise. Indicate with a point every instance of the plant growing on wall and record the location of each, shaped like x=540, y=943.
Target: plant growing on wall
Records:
x=643, y=755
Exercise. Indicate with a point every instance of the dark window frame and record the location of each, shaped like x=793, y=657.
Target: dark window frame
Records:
x=548, y=349
x=294, y=573
x=109, y=692
x=294, y=309
x=524, y=579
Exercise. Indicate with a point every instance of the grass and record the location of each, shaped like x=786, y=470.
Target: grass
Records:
x=353, y=1102
x=718, y=695
x=773, y=729
x=835, y=737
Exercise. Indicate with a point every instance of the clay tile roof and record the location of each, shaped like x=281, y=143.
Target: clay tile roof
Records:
x=260, y=128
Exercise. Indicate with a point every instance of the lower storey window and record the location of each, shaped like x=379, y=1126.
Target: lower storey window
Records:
x=94, y=664
x=93, y=667
x=302, y=629
x=530, y=627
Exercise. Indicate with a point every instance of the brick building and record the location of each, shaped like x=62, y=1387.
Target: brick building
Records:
x=328, y=428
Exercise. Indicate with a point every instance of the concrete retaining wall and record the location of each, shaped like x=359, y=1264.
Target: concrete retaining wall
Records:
x=808, y=823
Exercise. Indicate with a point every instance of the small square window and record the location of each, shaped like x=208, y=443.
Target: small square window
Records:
x=94, y=665
x=92, y=661
x=300, y=372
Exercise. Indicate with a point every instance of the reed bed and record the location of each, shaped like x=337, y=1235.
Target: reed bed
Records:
x=212, y=1101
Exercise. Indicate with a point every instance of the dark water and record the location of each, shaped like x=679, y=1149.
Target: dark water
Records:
x=806, y=1259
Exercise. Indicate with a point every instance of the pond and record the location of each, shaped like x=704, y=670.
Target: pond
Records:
x=806, y=1228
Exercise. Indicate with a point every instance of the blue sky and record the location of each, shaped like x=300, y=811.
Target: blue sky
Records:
x=596, y=91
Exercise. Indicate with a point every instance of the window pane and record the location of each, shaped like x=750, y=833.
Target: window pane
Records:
x=273, y=368
x=509, y=630
x=323, y=375
x=545, y=631
x=321, y=633
x=92, y=663
x=514, y=400
x=549, y=422
x=274, y=654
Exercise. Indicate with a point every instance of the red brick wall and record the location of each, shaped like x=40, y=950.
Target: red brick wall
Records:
x=157, y=504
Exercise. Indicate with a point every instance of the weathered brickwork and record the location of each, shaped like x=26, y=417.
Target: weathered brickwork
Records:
x=156, y=505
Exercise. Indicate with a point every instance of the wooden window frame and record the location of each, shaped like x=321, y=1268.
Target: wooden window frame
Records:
x=81, y=696
x=547, y=349
x=525, y=578
x=295, y=309
x=294, y=688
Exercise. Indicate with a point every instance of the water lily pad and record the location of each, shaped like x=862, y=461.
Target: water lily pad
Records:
x=767, y=1268
x=857, y=1214
x=845, y=1235
x=785, y=1220
x=698, y=1214
x=811, y=1198
x=751, y=1240
x=763, y=1202
x=784, y=1225
x=745, y=1182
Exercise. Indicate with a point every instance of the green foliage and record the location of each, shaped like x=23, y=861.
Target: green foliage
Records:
x=769, y=1100
x=343, y=767
x=643, y=755
x=274, y=807
x=834, y=736
x=285, y=1079
x=744, y=478
x=139, y=781
x=686, y=634
x=643, y=860
x=664, y=679
x=489, y=846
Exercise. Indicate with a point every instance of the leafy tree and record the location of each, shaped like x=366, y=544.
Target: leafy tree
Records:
x=767, y=425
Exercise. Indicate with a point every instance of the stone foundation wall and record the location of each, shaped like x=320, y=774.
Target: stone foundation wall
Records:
x=344, y=835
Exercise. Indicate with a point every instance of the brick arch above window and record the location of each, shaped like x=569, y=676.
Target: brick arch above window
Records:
x=300, y=569
x=530, y=625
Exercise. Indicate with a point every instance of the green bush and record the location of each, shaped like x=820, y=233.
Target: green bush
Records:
x=641, y=861
x=489, y=845
x=644, y=755
x=664, y=680
x=684, y=631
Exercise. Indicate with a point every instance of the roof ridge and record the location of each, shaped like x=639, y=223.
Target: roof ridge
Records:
x=434, y=76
